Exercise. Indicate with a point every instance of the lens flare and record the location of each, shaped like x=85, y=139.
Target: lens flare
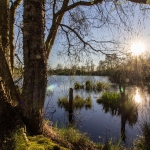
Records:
x=51, y=87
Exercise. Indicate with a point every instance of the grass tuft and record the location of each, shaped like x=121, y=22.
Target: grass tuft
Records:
x=110, y=98
x=88, y=102
x=78, y=86
x=78, y=102
x=79, y=140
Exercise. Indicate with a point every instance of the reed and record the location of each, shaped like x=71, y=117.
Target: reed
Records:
x=78, y=102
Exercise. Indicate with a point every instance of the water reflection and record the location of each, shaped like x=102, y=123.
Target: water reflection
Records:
x=98, y=120
x=72, y=104
x=137, y=97
x=120, y=105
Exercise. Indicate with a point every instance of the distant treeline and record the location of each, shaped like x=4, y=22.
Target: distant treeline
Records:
x=131, y=70
x=79, y=72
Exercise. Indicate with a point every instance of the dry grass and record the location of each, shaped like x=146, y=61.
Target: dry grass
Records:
x=70, y=138
x=51, y=133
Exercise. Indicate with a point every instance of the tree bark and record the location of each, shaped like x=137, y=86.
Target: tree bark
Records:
x=4, y=28
x=6, y=76
x=35, y=63
x=12, y=14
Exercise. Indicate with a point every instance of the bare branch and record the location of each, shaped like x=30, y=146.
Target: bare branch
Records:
x=80, y=3
x=54, y=7
x=16, y=3
x=85, y=43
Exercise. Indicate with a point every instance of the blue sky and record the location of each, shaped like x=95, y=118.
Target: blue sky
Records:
x=140, y=33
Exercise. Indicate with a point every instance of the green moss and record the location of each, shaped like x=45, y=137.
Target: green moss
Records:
x=38, y=142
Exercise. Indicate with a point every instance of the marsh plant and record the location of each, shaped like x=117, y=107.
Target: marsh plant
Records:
x=88, y=102
x=110, y=98
x=78, y=102
x=78, y=86
x=102, y=85
x=112, y=102
x=92, y=85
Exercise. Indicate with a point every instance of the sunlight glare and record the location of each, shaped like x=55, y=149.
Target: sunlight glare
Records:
x=137, y=97
x=137, y=48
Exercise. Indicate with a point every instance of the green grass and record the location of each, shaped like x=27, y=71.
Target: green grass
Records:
x=79, y=140
x=110, y=98
x=88, y=102
x=78, y=102
x=63, y=102
x=90, y=85
x=112, y=102
x=78, y=86
x=102, y=85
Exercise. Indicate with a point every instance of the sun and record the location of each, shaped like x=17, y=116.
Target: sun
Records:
x=137, y=48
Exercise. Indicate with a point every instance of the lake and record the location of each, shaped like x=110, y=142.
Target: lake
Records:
x=99, y=125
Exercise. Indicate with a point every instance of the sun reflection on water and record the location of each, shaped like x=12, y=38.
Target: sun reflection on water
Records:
x=137, y=97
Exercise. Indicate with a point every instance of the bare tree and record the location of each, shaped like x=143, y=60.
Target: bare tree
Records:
x=72, y=19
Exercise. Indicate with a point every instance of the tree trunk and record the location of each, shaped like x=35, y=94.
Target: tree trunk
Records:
x=4, y=28
x=35, y=75
x=6, y=76
x=13, y=8
x=54, y=28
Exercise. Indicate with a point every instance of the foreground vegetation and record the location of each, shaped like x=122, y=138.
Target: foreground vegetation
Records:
x=65, y=138
x=38, y=142
x=72, y=139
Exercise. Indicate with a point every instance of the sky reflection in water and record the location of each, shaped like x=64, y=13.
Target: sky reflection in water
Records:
x=98, y=121
x=137, y=96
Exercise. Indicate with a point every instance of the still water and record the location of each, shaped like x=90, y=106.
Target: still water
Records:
x=99, y=125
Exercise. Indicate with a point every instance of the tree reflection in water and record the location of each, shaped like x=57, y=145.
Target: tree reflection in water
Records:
x=74, y=104
x=123, y=106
